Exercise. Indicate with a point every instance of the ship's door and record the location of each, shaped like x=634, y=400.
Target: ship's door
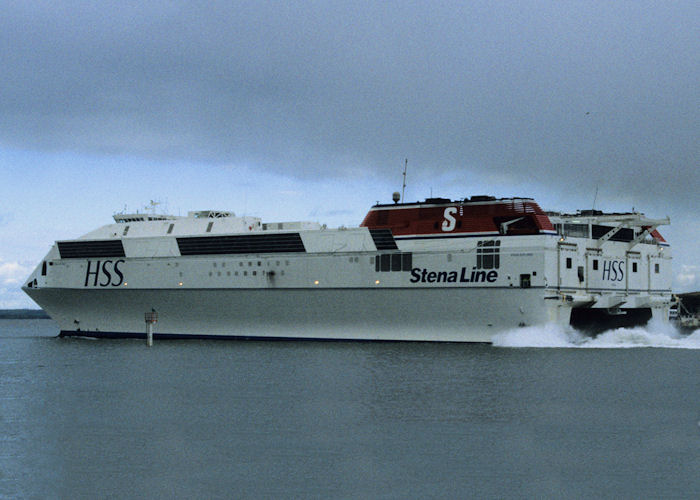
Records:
x=592, y=269
x=568, y=276
x=659, y=273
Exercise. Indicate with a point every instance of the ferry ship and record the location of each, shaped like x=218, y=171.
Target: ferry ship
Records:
x=437, y=270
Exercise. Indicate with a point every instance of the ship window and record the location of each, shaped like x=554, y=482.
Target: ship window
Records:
x=656, y=268
x=488, y=254
x=569, y=263
x=126, y=230
x=634, y=267
x=385, y=262
x=209, y=226
x=595, y=264
x=406, y=261
x=622, y=234
x=393, y=262
x=524, y=281
x=170, y=228
x=43, y=268
x=576, y=230
x=580, y=273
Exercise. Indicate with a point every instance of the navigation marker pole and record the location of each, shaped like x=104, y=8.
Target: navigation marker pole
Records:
x=151, y=319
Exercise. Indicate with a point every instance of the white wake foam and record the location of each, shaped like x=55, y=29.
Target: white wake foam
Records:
x=652, y=335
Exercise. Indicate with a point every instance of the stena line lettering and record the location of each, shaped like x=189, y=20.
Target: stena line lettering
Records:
x=104, y=273
x=422, y=275
x=450, y=222
x=613, y=270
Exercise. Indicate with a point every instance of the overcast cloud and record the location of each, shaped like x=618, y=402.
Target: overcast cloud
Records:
x=570, y=96
x=595, y=92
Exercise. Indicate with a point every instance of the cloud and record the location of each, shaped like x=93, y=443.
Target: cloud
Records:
x=574, y=96
x=13, y=273
x=688, y=278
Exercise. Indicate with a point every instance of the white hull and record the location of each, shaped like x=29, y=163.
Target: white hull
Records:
x=436, y=314
x=224, y=276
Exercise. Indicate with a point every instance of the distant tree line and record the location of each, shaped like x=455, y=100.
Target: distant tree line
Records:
x=23, y=314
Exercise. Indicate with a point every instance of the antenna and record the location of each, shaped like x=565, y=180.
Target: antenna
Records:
x=596, y=196
x=403, y=189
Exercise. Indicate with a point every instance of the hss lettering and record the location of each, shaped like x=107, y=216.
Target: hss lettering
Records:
x=105, y=273
x=613, y=270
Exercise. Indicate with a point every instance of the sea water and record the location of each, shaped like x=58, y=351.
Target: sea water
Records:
x=542, y=413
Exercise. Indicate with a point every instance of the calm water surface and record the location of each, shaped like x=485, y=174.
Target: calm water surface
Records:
x=84, y=418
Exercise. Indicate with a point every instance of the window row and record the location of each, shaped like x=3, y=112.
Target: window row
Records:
x=393, y=262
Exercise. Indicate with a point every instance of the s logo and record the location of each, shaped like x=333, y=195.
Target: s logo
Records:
x=449, y=223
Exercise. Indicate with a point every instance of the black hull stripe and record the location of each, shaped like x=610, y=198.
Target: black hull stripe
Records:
x=195, y=336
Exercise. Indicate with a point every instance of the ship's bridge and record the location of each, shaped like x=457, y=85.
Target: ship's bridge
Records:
x=210, y=214
x=631, y=227
x=137, y=217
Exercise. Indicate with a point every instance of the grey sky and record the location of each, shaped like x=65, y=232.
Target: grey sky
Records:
x=594, y=92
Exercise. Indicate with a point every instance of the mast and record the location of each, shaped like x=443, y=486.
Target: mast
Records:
x=403, y=188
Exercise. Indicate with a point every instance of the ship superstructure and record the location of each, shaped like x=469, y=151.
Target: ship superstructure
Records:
x=439, y=270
